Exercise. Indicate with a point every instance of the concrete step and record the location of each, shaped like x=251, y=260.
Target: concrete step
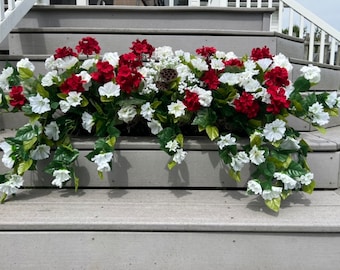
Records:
x=167, y=229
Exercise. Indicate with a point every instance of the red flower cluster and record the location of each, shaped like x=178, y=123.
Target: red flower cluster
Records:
x=73, y=83
x=128, y=78
x=191, y=101
x=206, y=51
x=247, y=104
x=234, y=62
x=278, y=76
x=63, y=52
x=211, y=79
x=104, y=73
x=88, y=46
x=278, y=99
x=260, y=53
x=17, y=98
x=142, y=47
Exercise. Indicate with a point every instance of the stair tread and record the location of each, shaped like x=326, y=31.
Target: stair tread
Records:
x=167, y=210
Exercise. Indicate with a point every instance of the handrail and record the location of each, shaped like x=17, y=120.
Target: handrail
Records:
x=327, y=36
x=11, y=14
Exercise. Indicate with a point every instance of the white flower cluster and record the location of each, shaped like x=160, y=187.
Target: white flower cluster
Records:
x=289, y=183
x=179, y=153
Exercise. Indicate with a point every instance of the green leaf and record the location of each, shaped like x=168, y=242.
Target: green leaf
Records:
x=25, y=73
x=3, y=198
x=212, y=132
x=66, y=154
x=235, y=175
x=205, y=118
x=171, y=164
x=111, y=141
x=295, y=169
x=309, y=188
x=28, y=144
x=301, y=84
x=24, y=166
x=26, y=133
x=42, y=92
x=180, y=140
x=321, y=129
x=274, y=204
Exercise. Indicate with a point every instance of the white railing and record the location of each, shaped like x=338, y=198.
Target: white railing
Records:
x=322, y=40
x=12, y=13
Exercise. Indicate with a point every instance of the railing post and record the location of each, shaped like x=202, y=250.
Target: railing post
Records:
x=332, y=53
x=248, y=3
x=43, y=2
x=2, y=10
x=322, y=47
x=270, y=3
x=82, y=2
x=171, y=3
x=311, y=42
x=194, y=3
x=259, y=3
x=280, y=16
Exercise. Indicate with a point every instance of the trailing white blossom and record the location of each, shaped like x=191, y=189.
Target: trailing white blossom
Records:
x=254, y=187
x=7, y=160
x=112, y=58
x=41, y=152
x=318, y=115
x=274, y=131
x=147, y=111
x=39, y=104
x=177, y=108
x=289, y=182
x=102, y=161
x=74, y=98
x=273, y=193
x=306, y=179
x=256, y=155
x=60, y=176
x=25, y=63
x=311, y=73
x=127, y=113
x=109, y=89
x=155, y=126
x=50, y=78
x=179, y=156
x=239, y=160
x=87, y=121
x=12, y=185
x=52, y=131
x=282, y=61
x=172, y=145
x=226, y=140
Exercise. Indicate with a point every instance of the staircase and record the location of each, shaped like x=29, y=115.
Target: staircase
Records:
x=168, y=220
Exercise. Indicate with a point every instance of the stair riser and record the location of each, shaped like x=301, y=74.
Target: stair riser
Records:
x=148, y=17
x=168, y=251
x=129, y=171
x=46, y=43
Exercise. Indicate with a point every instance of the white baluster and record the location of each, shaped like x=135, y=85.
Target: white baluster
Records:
x=248, y=3
x=280, y=16
x=171, y=3
x=311, y=42
x=301, y=27
x=270, y=3
x=238, y=3
x=322, y=47
x=82, y=2
x=11, y=4
x=194, y=3
x=2, y=10
x=291, y=22
x=332, y=56
x=259, y=3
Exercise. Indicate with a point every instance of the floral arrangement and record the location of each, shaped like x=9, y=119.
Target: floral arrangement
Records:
x=170, y=95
